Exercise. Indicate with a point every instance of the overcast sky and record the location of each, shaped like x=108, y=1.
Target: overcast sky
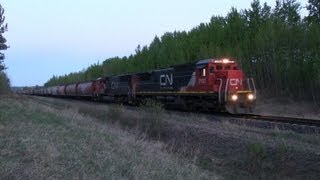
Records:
x=55, y=37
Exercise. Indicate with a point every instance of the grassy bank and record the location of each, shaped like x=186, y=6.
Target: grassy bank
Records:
x=213, y=143
x=96, y=140
x=39, y=141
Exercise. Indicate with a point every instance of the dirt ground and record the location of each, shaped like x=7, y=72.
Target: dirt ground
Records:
x=288, y=108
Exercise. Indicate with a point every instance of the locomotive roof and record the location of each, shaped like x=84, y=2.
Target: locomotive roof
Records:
x=202, y=62
x=205, y=62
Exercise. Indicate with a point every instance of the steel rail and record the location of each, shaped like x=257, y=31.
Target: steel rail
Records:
x=279, y=119
x=275, y=119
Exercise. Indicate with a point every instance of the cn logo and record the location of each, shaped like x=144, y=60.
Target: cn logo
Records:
x=234, y=82
x=166, y=79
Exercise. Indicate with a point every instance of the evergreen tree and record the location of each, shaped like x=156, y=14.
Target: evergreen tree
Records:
x=3, y=46
x=314, y=11
x=4, y=81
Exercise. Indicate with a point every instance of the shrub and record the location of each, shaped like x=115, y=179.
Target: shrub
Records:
x=152, y=119
x=256, y=154
x=153, y=106
x=115, y=112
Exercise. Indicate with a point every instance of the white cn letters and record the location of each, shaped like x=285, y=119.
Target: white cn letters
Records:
x=235, y=82
x=166, y=79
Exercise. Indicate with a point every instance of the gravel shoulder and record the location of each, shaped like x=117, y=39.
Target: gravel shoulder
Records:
x=288, y=108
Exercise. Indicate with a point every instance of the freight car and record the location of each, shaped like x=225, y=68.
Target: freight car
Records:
x=211, y=84
x=90, y=89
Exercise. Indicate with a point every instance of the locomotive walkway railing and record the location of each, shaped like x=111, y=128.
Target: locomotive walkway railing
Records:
x=220, y=88
x=250, y=82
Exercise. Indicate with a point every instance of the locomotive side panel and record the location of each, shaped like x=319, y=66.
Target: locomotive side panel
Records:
x=163, y=80
x=118, y=85
x=169, y=80
x=144, y=82
x=183, y=76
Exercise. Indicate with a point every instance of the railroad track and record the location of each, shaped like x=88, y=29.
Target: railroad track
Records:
x=275, y=119
x=279, y=119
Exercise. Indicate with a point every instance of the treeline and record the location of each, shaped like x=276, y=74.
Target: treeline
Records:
x=276, y=46
x=92, y=72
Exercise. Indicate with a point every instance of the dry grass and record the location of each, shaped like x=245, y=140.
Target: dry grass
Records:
x=235, y=151
x=41, y=142
x=149, y=119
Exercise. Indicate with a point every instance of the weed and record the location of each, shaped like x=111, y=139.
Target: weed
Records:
x=205, y=162
x=282, y=152
x=152, y=121
x=93, y=112
x=153, y=106
x=115, y=112
x=256, y=154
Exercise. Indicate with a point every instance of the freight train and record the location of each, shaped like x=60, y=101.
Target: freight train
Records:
x=211, y=84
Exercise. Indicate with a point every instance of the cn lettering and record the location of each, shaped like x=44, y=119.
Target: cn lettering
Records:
x=166, y=79
x=235, y=82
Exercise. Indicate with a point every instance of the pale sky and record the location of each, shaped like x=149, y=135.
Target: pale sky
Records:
x=56, y=37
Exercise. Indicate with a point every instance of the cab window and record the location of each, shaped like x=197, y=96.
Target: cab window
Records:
x=203, y=72
x=211, y=69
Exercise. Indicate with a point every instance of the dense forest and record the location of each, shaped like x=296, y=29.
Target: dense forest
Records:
x=276, y=46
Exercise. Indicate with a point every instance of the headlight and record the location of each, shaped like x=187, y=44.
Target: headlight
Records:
x=250, y=96
x=234, y=97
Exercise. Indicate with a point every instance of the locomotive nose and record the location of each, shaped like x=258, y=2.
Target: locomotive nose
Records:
x=240, y=102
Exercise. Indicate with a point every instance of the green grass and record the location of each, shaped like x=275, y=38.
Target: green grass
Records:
x=38, y=142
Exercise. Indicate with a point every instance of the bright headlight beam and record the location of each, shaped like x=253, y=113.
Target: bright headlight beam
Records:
x=225, y=61
x=234, y=97
x=250, y=96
